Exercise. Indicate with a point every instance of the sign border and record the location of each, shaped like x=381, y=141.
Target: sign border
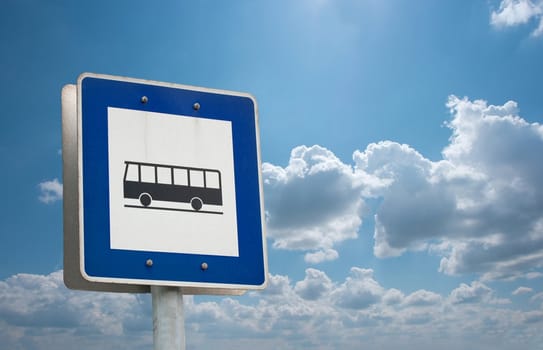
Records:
x=100, y=263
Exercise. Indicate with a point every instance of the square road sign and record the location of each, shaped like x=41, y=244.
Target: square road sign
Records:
x=170, y=189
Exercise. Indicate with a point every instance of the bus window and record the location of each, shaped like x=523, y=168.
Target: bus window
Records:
x=147, y=173
x=180, y=177
x=164, y=175
x=212, y=179
x=132, y=173
x=196, y=178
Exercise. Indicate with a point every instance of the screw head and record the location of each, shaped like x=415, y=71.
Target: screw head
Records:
x=204, y=266
x=144, y=99
x=196, y=106
x=149, y=262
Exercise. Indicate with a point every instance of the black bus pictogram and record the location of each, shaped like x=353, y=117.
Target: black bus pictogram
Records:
x=148, y=182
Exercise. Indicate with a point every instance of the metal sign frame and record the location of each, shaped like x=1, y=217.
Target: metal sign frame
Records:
x=136, y=270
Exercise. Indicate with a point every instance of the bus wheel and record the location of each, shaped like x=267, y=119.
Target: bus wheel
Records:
x=145, y=199
x=196, y=203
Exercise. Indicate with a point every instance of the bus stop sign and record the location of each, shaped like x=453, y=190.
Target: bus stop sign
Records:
x=170, y=189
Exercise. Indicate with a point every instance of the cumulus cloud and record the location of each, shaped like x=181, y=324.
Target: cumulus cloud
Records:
x=315, y=285
x=359, y=291
x=38, y=312
x=313, y=203
x=393, y=296
x=480, y=207
x=412, y=202
x=321, y=255
x=50, y=191
x=516, y=12
x=422, y=298
x=475, y=292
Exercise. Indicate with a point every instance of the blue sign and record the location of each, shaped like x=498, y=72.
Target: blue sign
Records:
x=170, y=185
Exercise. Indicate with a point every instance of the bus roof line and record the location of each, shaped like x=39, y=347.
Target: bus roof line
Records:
x=172, y=166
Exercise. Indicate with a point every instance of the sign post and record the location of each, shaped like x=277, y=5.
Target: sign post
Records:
x=163, y=193
x=168, y=318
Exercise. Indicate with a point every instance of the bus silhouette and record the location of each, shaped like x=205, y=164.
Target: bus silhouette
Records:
x=148, y=182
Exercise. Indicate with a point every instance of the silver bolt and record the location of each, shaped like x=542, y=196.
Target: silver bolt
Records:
x=204, y=266
x=196, y=106
x=144, y=99
x=149, y=262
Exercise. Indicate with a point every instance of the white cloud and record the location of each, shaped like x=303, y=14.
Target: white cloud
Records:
x=522, y=290
x=516, y=12
x=393, y=297
x=422, y=298
x=321, y=255
x=50, y=191
x=533, y=317
x=537, y=297
x=315, y=285
x=313, y=203
x=359, y=291
x=533, y=275
x=476, y=292
x=277, y=285
x=38, y=312
x=480, y=207
x=539, y=30
x=412, y=201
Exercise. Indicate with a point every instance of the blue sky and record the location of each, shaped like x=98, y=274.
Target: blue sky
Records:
x=401, y=143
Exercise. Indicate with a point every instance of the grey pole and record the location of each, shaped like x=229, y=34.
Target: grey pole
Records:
x=168, y=318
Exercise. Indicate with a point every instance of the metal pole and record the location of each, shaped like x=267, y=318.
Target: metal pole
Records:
x=168, y=318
